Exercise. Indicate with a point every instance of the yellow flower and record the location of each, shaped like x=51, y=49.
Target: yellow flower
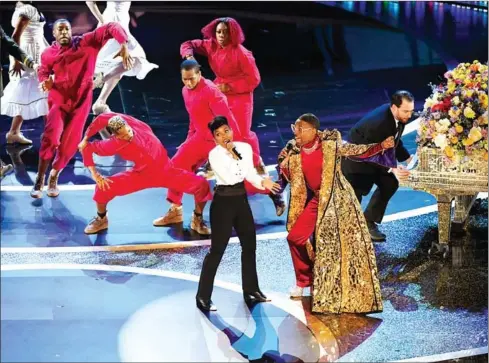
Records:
x=475, y=134
x=467, y=142
x=454, y=112
x=449, y=151
x=455, y=100
x=468, y=93
x=451, y=87
x=469, y=113
x=483, y=99
x=484, y=85
x=454, y=139
x=459, y=129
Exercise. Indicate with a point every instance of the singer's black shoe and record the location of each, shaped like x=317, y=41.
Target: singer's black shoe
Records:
x=206, y=305
x=278, y=202
x=375, y=234
x=255, y=297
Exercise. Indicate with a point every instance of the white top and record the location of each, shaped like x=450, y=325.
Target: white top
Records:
x=230, y=171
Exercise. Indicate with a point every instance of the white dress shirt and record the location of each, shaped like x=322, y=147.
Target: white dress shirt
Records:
x=230, y=171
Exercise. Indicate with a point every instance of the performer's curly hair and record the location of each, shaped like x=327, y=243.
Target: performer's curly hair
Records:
x=115, y=124
x=235, y=32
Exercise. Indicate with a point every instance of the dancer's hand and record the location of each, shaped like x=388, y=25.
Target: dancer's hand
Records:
x=127, y=60
x=268, y=184
x=224, y=88
x=47, y=84
x=17, y=69
x=189, y=56
x=388, y=143
x=401, y=173
x=83, y=144
x=102, y=182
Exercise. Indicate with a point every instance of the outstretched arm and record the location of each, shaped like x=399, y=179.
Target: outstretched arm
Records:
x=364, y=151
x=14, y=50
x=199, y=46
x=101, y=35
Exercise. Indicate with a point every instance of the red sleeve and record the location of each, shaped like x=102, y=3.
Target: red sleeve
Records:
x=197, y=45
x=251, y=78
x=102, y=148
x=101, y=35
x=219, y=107
x=100, y=122
x=46, y=67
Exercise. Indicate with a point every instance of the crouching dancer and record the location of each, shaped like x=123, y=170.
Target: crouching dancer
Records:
x=134, y=140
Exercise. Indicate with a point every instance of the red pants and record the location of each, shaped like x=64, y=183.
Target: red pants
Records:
x=190, y=155
x=241, y=106
x=132, y=181
x=297, y=238
x=65, y=120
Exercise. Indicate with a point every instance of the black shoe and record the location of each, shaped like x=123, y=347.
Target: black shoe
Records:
x=206, y=305
x=375, y=234
x=278, y=202
x=254, y=297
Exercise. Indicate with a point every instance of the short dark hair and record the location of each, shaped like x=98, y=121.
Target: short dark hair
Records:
x=217, y=122
x=190, y=64
x=311, y=119
x=61, y=21
x=398, y=96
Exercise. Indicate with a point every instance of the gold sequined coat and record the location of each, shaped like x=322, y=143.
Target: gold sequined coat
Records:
x=345, y=268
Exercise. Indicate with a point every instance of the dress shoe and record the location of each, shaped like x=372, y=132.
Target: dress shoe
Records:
x=53, y=190
x=206, y=305
x=278, y=202
x=254, y=297
x=18, y=138
x=36, y=191
x=375, y=234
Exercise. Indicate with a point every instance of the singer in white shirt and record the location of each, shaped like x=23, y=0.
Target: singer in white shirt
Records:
x=232, y=164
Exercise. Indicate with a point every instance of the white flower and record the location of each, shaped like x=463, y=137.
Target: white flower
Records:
x=441, y=141
x=455, y=100
x=443, y=125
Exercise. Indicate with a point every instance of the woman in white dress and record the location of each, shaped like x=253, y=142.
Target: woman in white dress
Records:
x=109, y=70
x=22, y=99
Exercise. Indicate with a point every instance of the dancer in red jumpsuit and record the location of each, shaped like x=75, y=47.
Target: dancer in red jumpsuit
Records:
x=72, y=62
x=236, y=71
x=133, y=140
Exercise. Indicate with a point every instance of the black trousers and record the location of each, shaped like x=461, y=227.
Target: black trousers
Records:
x=387, y=185
x=227, y=212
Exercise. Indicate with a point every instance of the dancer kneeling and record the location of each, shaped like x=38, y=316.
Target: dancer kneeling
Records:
x=232, y=164
x=134, y=140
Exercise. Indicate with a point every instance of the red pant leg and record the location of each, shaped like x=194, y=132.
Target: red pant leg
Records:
x=53, y=129
x=241, y=106
x=191, y=154
x=123, y=183
x=297, y=238
x=183, y=181
x=73, y=131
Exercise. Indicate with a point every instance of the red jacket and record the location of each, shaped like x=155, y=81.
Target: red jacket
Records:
x=73, y=66
x=145, y=149
x=203, y=103
x=233, y=65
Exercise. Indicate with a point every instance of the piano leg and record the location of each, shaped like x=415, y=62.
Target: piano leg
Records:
x=444, y=225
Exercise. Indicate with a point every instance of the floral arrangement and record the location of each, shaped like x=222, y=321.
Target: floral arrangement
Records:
x=454, y=118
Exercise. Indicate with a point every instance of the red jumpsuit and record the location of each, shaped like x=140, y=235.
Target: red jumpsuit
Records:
x=235, y=66
x=303, y=229
x=70, y=98
x=152, y=167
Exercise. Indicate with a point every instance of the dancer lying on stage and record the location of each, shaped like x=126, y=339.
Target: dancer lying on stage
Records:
x=323, y=205
x=232, y=164
x=134, y=140
x=72, y=62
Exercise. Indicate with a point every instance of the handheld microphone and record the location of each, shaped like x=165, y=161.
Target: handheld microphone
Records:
x=235, y=151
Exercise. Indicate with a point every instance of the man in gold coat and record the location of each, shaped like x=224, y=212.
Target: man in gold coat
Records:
x=341, y=267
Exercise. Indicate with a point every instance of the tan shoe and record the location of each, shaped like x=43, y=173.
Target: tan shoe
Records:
x=36, y=191
x=261, y=168
x=296, y=292
x=174, y=215
x=199, y=226
x=53, y=190
x=6, y=169
x=17, y=139
x=96, y=225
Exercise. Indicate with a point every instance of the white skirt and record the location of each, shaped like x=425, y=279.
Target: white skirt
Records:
x=22, y=97
x=106, y=62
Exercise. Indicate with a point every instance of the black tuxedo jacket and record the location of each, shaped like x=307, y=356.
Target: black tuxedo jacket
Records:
x=375, y=127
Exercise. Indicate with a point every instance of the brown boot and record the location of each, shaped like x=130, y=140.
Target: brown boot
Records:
x=174, y=215
x=199, y=226
x=97, y=225
x=36, y=191
x=53, y=190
